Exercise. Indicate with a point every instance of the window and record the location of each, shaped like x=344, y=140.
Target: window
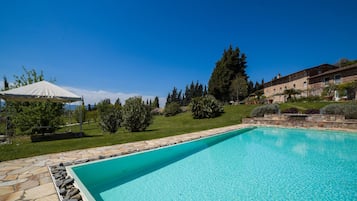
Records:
x=326, y=81
x=305, y=84
x=294, y=85
x=337, y=79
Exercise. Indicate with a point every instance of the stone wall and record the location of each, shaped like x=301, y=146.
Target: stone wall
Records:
x=273, y=91
x=302, y=120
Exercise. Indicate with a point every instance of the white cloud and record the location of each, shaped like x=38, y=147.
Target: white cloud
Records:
x=92, y=96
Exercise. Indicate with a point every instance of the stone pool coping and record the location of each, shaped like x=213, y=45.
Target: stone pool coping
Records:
x=30, y=179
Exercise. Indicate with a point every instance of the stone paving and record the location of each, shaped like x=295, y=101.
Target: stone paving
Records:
x=29, y=178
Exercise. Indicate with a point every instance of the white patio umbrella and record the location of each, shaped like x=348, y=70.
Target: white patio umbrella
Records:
x=41, y=91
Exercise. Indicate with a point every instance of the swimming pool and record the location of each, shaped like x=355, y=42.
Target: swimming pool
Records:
x=248, y=164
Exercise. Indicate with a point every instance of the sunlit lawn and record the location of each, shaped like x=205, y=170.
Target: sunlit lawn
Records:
x=161, y=127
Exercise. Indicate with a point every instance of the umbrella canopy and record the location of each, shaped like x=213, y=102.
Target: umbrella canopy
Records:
x=40, y=91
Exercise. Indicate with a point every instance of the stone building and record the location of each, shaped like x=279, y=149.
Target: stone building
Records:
x=332, y=79
x=299, y=81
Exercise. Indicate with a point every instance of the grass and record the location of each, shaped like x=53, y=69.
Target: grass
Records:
x=302, y=106
x=162, y=127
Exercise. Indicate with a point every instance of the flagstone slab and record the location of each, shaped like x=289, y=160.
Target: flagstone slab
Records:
x=13, y=196
x=10, y=167
x=10, y=177
x=48, y=198
x=39, y=170
x=20, y=170
x=22, y=176
x=6, y=190
x=12, y=182
x=39, y=192
x=27, y=185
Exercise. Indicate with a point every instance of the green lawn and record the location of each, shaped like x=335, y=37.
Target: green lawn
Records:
x=302, y=106
x=161, y=127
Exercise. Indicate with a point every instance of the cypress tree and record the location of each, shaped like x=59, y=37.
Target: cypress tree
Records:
x=156, y=102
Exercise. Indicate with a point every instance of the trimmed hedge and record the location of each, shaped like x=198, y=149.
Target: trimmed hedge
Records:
x=348, y=110
x=265, y=109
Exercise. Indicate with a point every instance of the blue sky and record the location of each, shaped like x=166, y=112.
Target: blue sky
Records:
x=117, y=48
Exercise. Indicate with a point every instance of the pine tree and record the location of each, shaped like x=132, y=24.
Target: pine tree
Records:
x=232, y=64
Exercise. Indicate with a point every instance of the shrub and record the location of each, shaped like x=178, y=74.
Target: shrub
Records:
x=348, y=110
x=110, y=120
x=172, y=109
x=291, y=110
x=110, y=116
x=136, y=115
x=265, y=109
x=312, y=111
x=205, y=107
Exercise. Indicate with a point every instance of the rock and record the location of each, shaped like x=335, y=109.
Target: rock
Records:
x=101, y=157
x=67, y=197
x=62, y=191
x=67, y=163
x=77, y=197
x=59, y=183
x=57, y=175
x=67, y=181
x=73, y=192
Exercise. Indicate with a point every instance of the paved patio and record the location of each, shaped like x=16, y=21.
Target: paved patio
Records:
x=29, y=178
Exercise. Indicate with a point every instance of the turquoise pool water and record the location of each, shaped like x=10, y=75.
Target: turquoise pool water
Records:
x=250, y=164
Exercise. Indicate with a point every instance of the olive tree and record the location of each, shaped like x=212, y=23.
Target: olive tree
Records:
x=110, y=116
x=136, y=115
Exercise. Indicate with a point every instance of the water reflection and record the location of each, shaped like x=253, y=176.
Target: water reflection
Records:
x=305, y=142
x=300, y=148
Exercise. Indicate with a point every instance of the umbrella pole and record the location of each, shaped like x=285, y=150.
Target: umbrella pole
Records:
x=80, y=116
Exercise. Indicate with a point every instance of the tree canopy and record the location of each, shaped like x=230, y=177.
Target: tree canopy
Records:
x=183, y=99
x=232, y=64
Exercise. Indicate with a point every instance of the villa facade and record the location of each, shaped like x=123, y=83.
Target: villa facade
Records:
x=337, y=76
x=310, y=82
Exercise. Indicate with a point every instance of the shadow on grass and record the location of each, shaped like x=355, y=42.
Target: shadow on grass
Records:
x=59, y=136
x=148, y=130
